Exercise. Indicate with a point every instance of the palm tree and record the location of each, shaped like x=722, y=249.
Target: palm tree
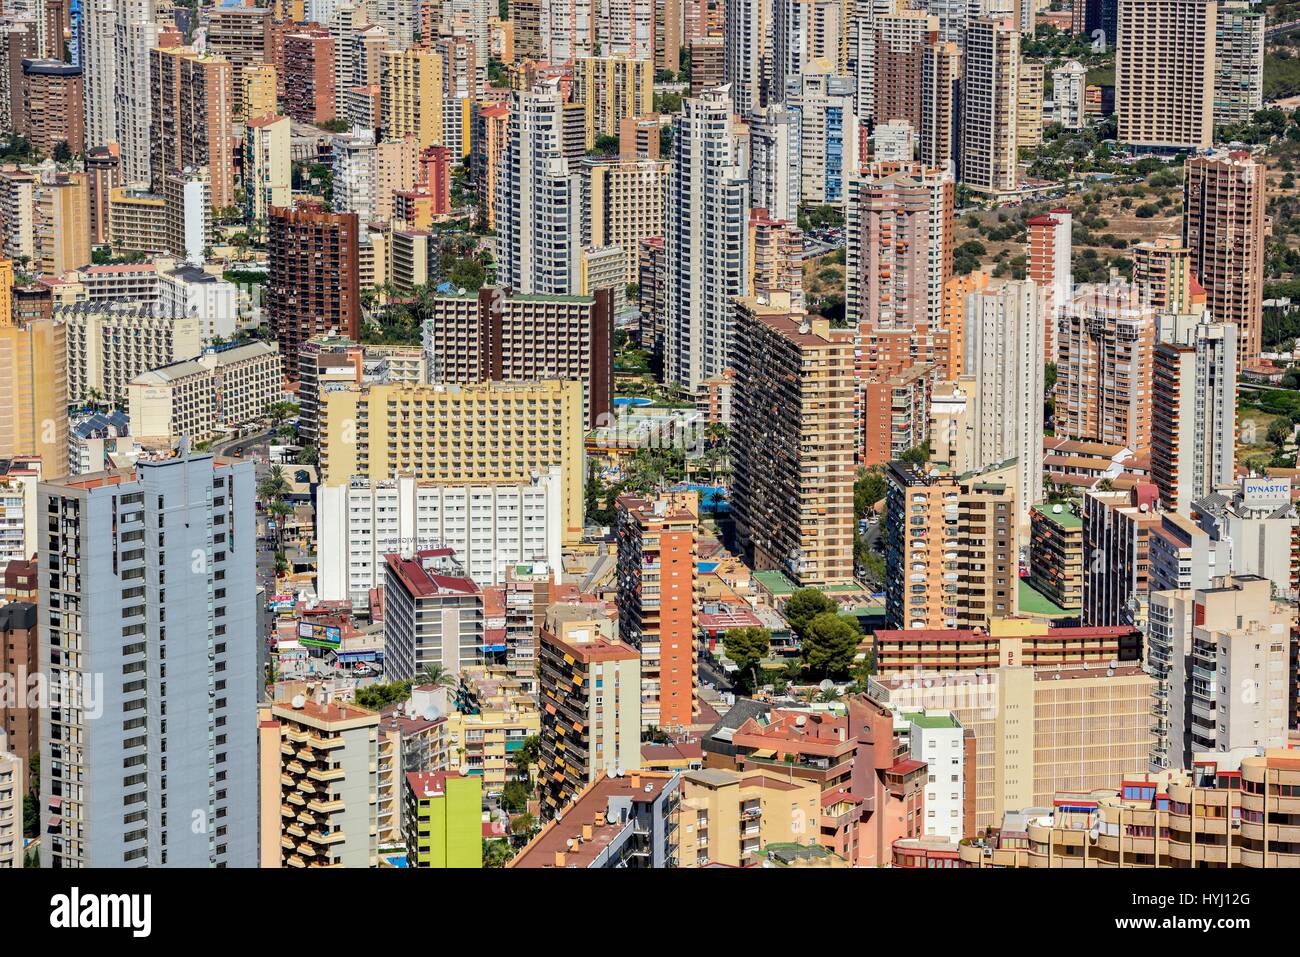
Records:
x=280, y=509
x=273, y=485
x=436, y=675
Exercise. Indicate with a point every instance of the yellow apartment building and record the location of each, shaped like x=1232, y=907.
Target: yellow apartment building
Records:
x=480, y=432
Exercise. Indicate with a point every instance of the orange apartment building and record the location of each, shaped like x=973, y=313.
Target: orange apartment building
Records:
x=1218, y=814
x=1104, y=346
x=656, y=601
x=189, y=123
x=950, y=550
x=898, y=259
x=309, y=75
x=1049, y=267
x=792, y=487
x=1007, y=642
x=872, y=790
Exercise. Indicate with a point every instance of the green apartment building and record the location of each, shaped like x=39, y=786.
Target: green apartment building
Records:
x=444, y=820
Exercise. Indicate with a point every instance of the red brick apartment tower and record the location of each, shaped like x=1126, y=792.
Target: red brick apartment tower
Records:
x=656, y=600
x=18, y=662
x=1223, y=226
x=1050, y=250
x=435, y=177
x=309, y=74
x=314, y=285
x=53, y=107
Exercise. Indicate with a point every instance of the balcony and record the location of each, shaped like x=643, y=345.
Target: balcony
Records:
x=326, y=774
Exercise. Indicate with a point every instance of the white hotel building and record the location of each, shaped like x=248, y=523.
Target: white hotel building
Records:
x=491, y=526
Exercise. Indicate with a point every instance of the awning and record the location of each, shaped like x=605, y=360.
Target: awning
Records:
x=763, y=753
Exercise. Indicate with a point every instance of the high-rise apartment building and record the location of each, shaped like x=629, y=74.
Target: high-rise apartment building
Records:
x=589, y=688
x=246, y=37
x=268, y=166
x=656, y=600
x=775, y=258
x=539, y=198
x=13, y=779
x=1117, y=527
x=318, y=762
x=775, y=177
x=131, y=781
x=140, y=28
x=990, y=66
x=309, y=75
x=828, y=134
x=494, y=526
x=495, y=336
x=1029, y=106
x=610, y=89
x=490, y=431
x=1050, y=256
x=890, y=79
x=19, y=666
x=704, y=241
x=950, y=550
x=1163, y=277
x=792, y=409
x=1193, y=410
x=34, y=391
x=53, y=105
x=190, y=108
x=1104, y=344
x=411, y=102
x=1238, y=62
x=1257, y=520
x=1223, y=226
x=433, y=613
x=313, y=286
x=1165, y=73
x=807, y=32
x=747, y=47
x=625, y=204
x=1004, y=351
x=1228, y=651
x=939, y=134
x=1068, y=83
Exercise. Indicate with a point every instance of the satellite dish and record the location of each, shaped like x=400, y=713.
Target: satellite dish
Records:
x=826, y=684
x=298, y=702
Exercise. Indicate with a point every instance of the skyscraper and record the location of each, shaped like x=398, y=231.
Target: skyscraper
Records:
x=1164, y=73
x=1004, y=355
x=988, y=94
x=775, y=178
x=149, y=584
x=828, y=133
x=1103, y=366
x=940, y=130
x=190, y=110
x=313, y=284
x=539, y=198
x=1238, y=62
x=1050, y=248
x=656, y=600
x=1223, y=226
x=748, y=52
x=137, y=32
x=33, y=389
x=792, y=410
x=1193, y=409
x=708, y=205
